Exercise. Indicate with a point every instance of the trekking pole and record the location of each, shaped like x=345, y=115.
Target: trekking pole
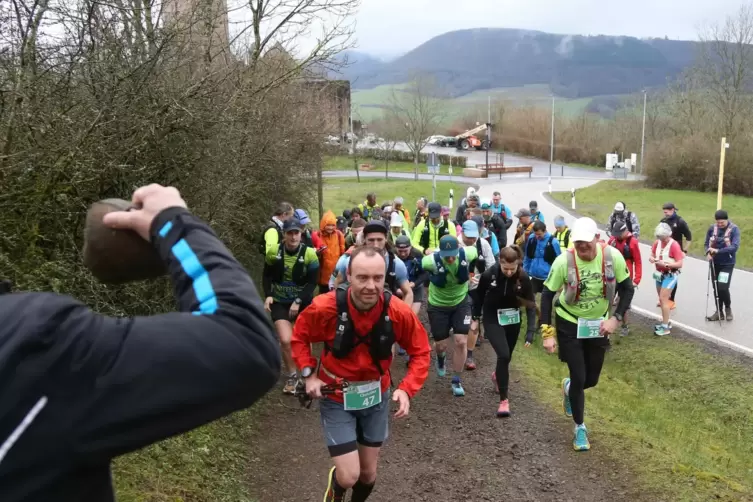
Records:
x=714, y=285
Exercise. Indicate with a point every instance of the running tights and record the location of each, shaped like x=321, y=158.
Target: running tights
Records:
x=585, y=364
x=722, y=288
x=503, y=340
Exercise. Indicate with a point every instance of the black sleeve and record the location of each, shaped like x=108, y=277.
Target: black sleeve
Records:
x=312, y=279
x=129, y=382
x=422, y=277
x=459, y=213
x=531, y=324
x=526, y=287
x=686, y=231
x=625, y=290
x=266, y=281
x=547, y=299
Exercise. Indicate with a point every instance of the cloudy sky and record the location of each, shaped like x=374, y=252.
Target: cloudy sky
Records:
x=386, y=27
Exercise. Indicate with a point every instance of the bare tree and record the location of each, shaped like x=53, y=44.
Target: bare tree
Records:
x=420, y=110
x=391, y=131
x=725, y=68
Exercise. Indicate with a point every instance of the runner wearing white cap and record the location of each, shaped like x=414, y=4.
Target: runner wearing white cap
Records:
x=592, y=274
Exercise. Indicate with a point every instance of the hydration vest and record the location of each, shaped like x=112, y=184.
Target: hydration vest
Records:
x=549, y=255
x=413, y=264
x=262, y=245
x=625, y=248
x=564, y=238
x=426, y=233
x=713, y=242
x=440, y=278
x=380, y=338
x=572, y=284
x=299, y=274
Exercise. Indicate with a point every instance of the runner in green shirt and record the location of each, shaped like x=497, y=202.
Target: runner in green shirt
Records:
x=591, y=274
x=289, y=279
x=449, y=307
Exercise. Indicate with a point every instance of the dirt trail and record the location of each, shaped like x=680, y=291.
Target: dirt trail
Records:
x=448, y=449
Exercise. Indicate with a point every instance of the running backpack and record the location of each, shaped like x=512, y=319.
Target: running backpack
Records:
x=380, y=338
x=572, y=283
x=262, y=245
x=440, y=278
x=426, y=233
x=625, y=248
x=727, y=236
x=549, y=255
x=277, y=268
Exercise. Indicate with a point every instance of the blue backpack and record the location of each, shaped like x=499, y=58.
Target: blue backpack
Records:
x=440, y=278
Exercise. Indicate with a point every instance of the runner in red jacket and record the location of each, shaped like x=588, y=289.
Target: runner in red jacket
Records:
x=628, y=245
x=358, y=327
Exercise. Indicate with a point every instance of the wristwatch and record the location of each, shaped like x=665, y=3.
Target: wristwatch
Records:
x=617, y=316
x=307, y=372
x=297, y=301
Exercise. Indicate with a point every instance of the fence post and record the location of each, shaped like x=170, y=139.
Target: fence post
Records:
x=572, y=195
x=451, y=197
x=550, y=184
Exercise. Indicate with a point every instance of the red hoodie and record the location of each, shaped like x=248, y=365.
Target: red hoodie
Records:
x=631, y=250
x=318, y=323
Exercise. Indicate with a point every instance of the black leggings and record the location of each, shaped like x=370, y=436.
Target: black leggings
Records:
x=722, y=288
x=503, y=340
x=584, y=359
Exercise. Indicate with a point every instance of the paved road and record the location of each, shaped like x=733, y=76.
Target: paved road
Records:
x=691, y=294
x=540, y=167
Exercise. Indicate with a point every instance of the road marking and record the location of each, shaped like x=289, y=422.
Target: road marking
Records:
x=703, y=334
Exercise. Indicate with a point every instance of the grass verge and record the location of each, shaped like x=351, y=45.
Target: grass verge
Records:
x=676, y=412
x=209, y=464
x=345, y=193
x=597, y=201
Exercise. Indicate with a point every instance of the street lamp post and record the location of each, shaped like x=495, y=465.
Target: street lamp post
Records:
x=551, y=141
x=643, y=133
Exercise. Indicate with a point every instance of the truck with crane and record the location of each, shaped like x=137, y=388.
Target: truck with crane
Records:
x=468, y=139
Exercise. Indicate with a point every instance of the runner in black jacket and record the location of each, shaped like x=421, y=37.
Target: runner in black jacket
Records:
x=79, y=389
x=502, y=290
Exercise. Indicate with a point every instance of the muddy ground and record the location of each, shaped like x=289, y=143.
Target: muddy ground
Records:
x=449, y=449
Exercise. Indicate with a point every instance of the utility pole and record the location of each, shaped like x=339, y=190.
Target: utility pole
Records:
x=551, y=141
x=720, y=189
x=353, y=150
x=643, y=134
x=488, y=133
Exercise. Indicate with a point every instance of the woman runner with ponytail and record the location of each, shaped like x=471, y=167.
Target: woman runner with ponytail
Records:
x=502, y=290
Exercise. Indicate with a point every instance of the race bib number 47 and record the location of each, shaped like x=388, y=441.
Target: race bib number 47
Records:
x=362, y=395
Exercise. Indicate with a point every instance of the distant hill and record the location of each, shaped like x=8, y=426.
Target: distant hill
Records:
x=574, y=66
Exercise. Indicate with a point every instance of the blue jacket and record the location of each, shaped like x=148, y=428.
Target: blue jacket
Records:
x=494, y=242
x=539, y=265
x=725, y=254
x=502, y=207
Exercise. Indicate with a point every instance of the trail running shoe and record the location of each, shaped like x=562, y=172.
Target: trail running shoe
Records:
x=716, y=316
x=494, y=379
x=504, y=409
x=440, y=362
x=663, y=330
x=566, y=407
x=470, y=365
x=580, y=440
x=728, y=314
x=457, y=387
x=625, y=331
x=290, y=384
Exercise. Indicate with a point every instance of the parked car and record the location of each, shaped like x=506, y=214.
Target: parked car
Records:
x=434, y=140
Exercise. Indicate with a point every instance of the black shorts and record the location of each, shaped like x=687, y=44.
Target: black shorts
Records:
x=538, y=285
x=457, y=318
x=281, y=311
x=568, y=342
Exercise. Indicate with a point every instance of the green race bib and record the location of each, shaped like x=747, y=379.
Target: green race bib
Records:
x=362, y=395
x=723, y=277
x=506, y=317
x=589, y=328
x=657, y=276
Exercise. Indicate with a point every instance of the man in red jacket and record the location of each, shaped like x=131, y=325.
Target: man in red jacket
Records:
x=358, y=327
x=628, y=245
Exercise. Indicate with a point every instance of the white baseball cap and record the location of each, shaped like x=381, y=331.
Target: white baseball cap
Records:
x=584, y=230
x=619, y=206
